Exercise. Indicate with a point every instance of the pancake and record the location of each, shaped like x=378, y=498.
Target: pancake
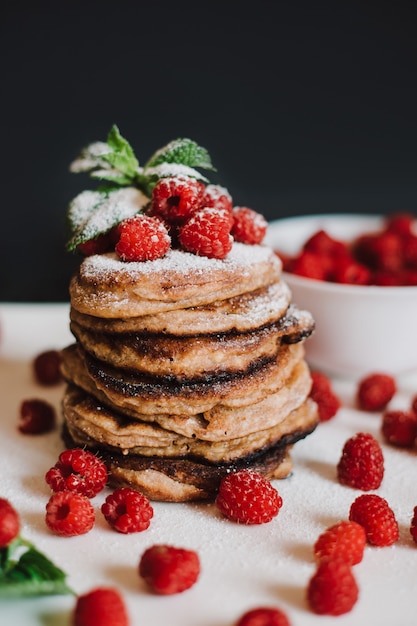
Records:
x=195, y=356
x=179, y=479
x=152, y=395
x=106, y=287
x=247, y=311
x=106, y=423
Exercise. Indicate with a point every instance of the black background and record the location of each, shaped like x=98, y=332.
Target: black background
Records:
x=304, y=107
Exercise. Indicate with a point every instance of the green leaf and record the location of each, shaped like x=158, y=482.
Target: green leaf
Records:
x=121, y=156
x=24, y=571
x=184, y=152
x=93, y=213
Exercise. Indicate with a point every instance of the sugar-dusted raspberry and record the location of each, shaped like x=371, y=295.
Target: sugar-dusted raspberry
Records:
x=378, y=519
x=36, y=417
x=9, y=523
x=264, y=616
x=413, y=525
x=332, y=590
x=361, y=464
x=176, y=198
x=168, y=570
x=217, y=197
x=69, y=514
x=127, y=510
x=248, y=226
x=103, y=606
x=79, y=471
x=247, y=497
x=322, y=393
x=400, y=428
x=345, y=540
x=375, y=391
x=312, y=265
x=99, y=245
x=47, y=367
x=142, y=238
x=207, y=233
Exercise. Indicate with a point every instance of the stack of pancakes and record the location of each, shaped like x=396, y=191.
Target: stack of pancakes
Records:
x=186, y=368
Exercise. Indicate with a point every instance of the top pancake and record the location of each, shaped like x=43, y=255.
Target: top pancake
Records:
x=107, y=287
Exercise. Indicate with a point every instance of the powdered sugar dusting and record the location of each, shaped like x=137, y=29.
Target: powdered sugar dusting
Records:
x=242, y=257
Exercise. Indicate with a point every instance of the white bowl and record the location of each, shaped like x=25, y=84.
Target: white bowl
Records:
x=359, y=329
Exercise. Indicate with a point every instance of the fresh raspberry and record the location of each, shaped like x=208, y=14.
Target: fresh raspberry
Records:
x=332, y=590
x=322, y=243
x=168, y=570
x=264, y=616
x=248, y=225
x=413, y=525
x=247, y=497
x=361, y=465
x=207, y=233
x=399, y=428
x=345, y=540
x=400, y=223
x=375, y=515
x=322, y=393
x=312, y=265
x=217, y=197
x=9, y=523
x=176, y=198
x=414, y=404
x=79, y=471
x=99, y=245
x=103, y=606
x=380, y=251
x=36, y=417
x=69, y=514
x=142, y=238
x=375, y=391
x=47, y=367
x=410, y=251
x=127, y=510
x=350, y=272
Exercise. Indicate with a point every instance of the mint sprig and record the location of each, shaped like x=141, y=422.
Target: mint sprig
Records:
x=24, y=571
x=114, y=162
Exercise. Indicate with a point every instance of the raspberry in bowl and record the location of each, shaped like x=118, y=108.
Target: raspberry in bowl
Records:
x=365, y=307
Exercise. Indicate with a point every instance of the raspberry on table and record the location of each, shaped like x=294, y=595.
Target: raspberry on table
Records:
x=103, y=606
x=332, y=590
x=361, y=464
x=9, y=523
x=248, y=225
x=247, y=497
x=375, y=391
x=207, y=233
x=399, y=428
x=345, y=540
x=47, y=367
x=127, y=510
x=69, y=514
x=176, y=198
x=169, y=570
x=413, y=525
x=79, y=471
x=376, y=516
x=142, y=238
x=36, y=417
x=322, y=393
x=264, y=616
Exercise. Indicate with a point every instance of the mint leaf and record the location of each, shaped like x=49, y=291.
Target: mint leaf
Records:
x=184, y=152
x=92, y=213
x=24, y=571
x=121, y=156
